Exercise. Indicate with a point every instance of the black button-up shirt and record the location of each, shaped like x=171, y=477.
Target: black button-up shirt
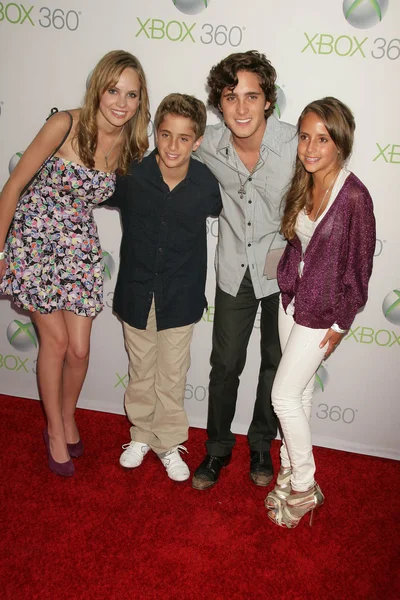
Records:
x=164, y=243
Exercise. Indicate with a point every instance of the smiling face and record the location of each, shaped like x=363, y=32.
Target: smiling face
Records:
x=120, y=102
x=316, y=150
x=176, y=140
x=243, y=107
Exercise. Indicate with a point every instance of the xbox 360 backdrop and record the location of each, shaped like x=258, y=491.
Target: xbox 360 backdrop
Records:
x=349, y=49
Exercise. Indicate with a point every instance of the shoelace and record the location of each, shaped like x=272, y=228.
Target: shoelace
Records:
x=179, y=449
x=131, y=446
x=212, y=460
x=259, y=457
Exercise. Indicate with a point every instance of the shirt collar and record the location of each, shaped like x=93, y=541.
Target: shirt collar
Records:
x=272, y=138
x=149, y=164
x=151, y=169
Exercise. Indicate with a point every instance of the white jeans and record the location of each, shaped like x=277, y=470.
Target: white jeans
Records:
x=292, y=396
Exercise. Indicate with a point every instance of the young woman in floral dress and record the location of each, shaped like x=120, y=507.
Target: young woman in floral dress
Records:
x=50, y=255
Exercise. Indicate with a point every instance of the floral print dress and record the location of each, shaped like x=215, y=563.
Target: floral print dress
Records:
x=53, y=252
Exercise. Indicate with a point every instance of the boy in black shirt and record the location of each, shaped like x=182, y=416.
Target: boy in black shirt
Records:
x=164, y=203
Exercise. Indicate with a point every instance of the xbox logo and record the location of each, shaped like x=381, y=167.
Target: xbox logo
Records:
x=191, y=7
x=321, y=379
x=391, y=307
x=108, y=265
x=89, y=78
x=150, y=129
x=14, y=161
x=364, y=13
x=280, y=102
x=22, y=335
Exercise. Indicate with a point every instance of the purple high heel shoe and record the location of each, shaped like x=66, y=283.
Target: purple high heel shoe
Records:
x=75, y=450
x=65, y=469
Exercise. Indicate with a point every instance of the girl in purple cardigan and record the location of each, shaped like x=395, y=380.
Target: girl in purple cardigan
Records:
x=323, y=277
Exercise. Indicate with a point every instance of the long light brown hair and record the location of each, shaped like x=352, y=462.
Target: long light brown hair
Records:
x=339, y=123
x=104, y=76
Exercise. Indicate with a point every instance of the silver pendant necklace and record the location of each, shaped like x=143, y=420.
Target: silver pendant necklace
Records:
x=241, y=191
x=112, y=147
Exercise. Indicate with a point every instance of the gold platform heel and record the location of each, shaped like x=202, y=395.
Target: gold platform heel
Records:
x=290, y=513
x=281, y=490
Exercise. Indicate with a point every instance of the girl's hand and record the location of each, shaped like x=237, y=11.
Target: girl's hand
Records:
x=333, y=339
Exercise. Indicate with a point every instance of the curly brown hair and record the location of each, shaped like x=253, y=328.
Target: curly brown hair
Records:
x=339, y=122
x=183, y=105
x=224, y=75
x=105, y=75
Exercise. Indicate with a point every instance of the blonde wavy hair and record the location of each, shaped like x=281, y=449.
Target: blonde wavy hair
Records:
x=339, y=122
x=105, y=75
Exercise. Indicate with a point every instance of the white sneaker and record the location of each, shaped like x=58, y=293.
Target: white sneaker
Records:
x=133, y=454
x=176, y=468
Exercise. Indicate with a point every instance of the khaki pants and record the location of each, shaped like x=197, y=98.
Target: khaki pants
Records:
x=154, y=399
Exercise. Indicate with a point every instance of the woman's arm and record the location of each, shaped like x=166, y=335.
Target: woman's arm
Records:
x=118, y=197
x=41, y=147
x=361, y=248
x=362, y=240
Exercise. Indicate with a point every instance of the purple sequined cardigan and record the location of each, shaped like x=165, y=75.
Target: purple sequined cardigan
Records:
x=337, y=262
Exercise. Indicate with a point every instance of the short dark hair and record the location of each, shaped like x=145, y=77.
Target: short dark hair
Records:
x=183, y=105
x=224, y=75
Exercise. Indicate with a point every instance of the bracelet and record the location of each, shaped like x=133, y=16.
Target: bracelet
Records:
x=2, y=255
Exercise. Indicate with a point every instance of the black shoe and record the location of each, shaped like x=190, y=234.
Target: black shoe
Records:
x=208, y=472
x=261, y=470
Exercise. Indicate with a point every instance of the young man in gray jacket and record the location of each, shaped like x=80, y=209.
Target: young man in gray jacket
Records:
x=252, y=156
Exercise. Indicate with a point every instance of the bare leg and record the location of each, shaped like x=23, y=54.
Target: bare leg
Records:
x=53, y=343
x=75, y=368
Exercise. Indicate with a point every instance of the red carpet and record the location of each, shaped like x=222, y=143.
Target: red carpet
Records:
x=107, y=533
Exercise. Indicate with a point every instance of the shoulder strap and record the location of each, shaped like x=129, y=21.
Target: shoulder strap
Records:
x=36, y=175
x=53, y=112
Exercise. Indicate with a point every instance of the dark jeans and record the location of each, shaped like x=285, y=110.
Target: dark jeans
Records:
x=233, y=323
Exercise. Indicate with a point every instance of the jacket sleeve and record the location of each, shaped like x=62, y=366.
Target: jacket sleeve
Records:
x=361, y=248
x=216, y=201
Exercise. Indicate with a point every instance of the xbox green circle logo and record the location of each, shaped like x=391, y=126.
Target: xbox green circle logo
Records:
x=21, y=335
x=191, y=7
x=321, y=379
x=14, y=161
x=280, y=104
x=150, y=128
x=108, y=265
x=88, y=78
x=391, y=307
x=364, y=13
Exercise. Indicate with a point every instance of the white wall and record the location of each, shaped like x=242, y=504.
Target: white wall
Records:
x=45, y=57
